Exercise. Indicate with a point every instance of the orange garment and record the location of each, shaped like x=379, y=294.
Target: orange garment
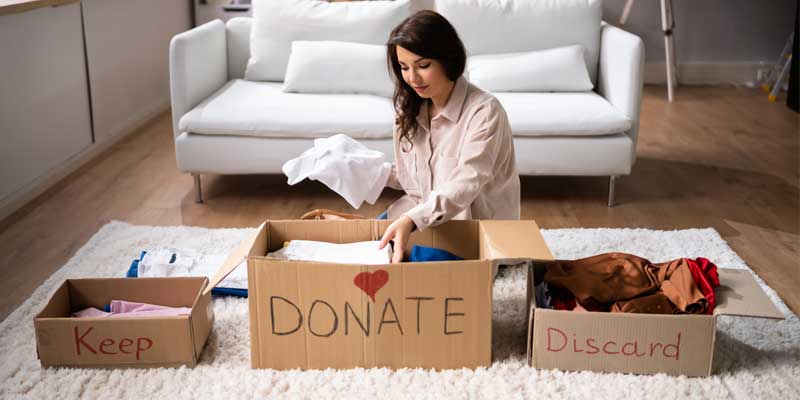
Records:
x=620, y=282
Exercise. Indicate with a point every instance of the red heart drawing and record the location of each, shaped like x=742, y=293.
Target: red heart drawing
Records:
x=370, y=283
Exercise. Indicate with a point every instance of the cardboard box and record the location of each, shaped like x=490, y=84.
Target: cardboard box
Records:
x=638, y=343
x=433, y=315
x=124, y=342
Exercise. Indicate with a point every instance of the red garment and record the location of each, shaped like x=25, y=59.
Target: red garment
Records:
x=705, y=276
x=561, y=299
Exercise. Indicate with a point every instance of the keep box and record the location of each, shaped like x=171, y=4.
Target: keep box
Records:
x=161, y=341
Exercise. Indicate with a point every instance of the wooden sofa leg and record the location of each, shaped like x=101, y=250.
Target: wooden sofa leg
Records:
x=198, y=191
x=611, y=182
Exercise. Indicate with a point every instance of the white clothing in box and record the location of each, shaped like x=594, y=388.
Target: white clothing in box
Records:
x=156, y=264
x=346, y=253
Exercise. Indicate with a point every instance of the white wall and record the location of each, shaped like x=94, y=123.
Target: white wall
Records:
x=45, y=123
x=712, y=31
x=127, y=44
x=205, y=12
x=44, y=101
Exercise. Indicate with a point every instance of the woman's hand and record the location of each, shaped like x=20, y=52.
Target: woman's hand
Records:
x=399, y=231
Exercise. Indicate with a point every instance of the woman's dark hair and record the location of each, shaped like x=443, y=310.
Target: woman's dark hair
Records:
x=429, y=35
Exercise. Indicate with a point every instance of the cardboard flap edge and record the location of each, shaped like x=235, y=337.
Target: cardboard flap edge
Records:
x=235, y=258
x=513, y=239
x=740, y=295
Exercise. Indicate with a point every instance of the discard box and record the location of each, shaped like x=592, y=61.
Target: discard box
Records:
x=124, y=342
x=433, y=315
x=638, y=343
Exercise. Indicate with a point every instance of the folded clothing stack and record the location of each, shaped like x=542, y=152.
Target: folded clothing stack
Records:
x=346, y=253
x=167, y=262
x=355, y=253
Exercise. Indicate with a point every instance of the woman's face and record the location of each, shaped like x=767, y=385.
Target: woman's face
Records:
x=426, y=76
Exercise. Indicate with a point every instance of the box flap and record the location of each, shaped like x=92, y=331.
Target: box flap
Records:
x=531, y=306
x=58, y=305
x=97, y=292
x=332, y=231
x=236, y=257
x=512, y=240
x=739, y=294
x=200, y=322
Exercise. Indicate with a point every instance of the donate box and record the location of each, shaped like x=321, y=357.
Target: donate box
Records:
x=313, y=315
x=638, y=343
x=124, y=342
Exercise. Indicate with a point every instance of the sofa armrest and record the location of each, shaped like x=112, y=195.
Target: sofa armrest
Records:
x=621, y=74
x=198, y=66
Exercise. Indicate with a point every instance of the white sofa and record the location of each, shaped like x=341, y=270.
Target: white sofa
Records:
x=224, y=124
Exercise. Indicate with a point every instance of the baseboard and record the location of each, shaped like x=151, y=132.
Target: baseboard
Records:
x=705, y=73
x=137, y=120
x=40, y=185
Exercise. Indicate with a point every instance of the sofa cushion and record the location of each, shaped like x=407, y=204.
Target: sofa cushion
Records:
x=276, y=23
x=511, y=26
x=328, y=66
x=562, y=114
x=561, y=69
x=262, y=109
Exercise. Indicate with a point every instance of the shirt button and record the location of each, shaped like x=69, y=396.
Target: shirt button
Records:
x=426, y=220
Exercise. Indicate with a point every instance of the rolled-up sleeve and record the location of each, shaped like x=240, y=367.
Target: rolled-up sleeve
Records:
x=479, y=151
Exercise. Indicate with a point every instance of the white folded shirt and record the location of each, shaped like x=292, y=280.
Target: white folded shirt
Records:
x=155, y=264
x=346, y=253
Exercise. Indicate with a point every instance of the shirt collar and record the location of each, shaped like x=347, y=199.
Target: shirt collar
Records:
x=452, y=110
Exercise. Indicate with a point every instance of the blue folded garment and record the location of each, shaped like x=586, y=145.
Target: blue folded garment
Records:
x=424, y=253
x=224, y=291
x=133, y=272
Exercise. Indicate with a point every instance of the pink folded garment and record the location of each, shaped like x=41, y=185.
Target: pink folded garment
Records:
x=122, y=306
x=126, y=309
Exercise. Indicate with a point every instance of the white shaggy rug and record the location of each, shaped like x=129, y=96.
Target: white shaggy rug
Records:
x=754, y=358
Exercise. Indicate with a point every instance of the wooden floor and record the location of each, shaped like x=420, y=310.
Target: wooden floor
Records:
x=720, y=157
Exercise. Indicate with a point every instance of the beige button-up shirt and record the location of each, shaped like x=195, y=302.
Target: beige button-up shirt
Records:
x=461, y=165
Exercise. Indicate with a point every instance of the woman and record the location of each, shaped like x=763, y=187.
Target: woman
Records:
x=454, y=154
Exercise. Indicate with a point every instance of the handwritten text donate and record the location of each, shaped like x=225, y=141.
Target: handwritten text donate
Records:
x=345, y=319
x=323, y=319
